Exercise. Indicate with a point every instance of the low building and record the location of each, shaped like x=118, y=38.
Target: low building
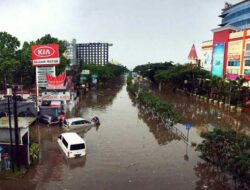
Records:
x=23, y=134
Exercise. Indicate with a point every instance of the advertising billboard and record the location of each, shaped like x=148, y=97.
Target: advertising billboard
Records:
x=207, y=59
x=218, y=60
x=234, y=50
x=45, y=55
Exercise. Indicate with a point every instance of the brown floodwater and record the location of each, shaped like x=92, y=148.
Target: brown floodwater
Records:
x=129, y=150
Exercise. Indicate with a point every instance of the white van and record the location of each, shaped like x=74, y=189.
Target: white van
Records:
x=72, y=144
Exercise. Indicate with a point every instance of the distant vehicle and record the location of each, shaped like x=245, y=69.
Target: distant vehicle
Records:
x=48, y=119
x=78, y=122
x=72, y=144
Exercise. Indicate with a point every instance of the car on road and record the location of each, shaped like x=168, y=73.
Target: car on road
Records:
x=48, y=119
x=72, y=144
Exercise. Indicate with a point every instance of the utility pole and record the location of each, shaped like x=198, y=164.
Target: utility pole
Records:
x=9, y=92
x=16, y=128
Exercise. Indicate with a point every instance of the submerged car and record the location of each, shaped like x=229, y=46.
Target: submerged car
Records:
x=48, y=119
x=78, y=122
x=72, y=144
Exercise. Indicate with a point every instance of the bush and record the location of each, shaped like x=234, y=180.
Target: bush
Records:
x=227, y=150
x=34, y=153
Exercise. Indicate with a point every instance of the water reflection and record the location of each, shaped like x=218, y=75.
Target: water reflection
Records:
x=204, y=115
x=99, y=98
x=75, y=162
x=162, y=134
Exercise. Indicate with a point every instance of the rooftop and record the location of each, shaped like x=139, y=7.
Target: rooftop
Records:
x=23, y=122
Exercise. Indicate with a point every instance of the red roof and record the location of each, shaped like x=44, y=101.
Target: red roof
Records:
x=192, y=53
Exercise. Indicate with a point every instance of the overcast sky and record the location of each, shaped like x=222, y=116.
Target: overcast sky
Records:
x=141, y=31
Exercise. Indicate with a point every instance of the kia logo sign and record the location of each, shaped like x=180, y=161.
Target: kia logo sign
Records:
x=44, y=51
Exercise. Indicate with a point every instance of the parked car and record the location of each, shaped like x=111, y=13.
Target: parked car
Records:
x=48, y=119
x=72, y=144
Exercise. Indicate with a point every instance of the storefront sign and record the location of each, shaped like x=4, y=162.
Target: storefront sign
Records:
x=63, y=97
x=45, y=55
x=85, y=72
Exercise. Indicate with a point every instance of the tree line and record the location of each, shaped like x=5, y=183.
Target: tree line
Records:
x=196, y=80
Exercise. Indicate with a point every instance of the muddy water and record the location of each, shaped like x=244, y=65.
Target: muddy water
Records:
x=130, y=150
x=205, y=116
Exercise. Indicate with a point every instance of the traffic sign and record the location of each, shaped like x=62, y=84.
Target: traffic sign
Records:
x=188, y=126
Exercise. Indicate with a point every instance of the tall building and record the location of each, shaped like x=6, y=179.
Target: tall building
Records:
x=237, y=15
x=228, y=53
x=93, y=53
x=70, y=52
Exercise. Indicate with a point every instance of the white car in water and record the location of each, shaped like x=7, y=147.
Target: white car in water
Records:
x=72, y=144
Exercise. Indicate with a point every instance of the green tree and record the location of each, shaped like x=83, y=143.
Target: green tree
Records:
x=8, y=57
x=26, y=72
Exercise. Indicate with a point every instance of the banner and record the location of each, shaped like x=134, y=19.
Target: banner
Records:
x=55, y=82
x=207, y=59
x=45, y=55
x=234, y=50
x=218, y=60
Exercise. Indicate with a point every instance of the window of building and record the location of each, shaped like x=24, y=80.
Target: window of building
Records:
x=233, y=71
x=234, y=63
x=247, y=47
x=247, y=62
x=247, y=72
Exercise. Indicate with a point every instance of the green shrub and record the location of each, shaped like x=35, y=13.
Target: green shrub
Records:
x=34, y=153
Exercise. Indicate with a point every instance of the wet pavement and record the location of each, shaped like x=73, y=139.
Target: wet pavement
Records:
x=129, y=150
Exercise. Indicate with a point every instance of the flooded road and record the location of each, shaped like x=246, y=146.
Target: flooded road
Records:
x=129, y=150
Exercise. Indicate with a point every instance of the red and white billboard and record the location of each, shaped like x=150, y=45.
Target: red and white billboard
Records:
x=55, y=82
x=45, y=55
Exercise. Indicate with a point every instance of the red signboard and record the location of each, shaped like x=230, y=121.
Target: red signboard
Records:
x=55, y=82
x=45, y=55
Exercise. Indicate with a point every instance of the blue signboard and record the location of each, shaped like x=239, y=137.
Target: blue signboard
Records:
x=188, y=126
x=218, y=60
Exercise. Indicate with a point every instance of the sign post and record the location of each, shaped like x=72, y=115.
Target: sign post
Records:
x=44, y=58
x=188, y=127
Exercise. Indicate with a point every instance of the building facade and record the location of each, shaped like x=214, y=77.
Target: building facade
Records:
x=228, y=53
x=93, y=53
x=237, y=15
x=70, y=53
